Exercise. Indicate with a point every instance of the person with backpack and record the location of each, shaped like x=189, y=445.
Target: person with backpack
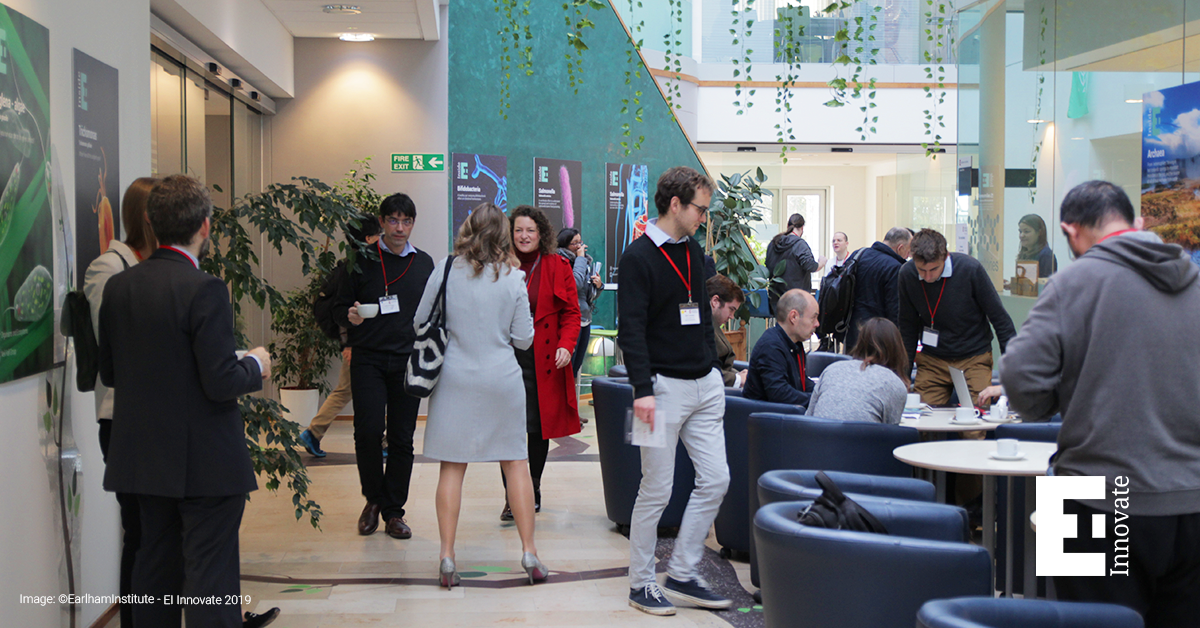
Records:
x=323, y=312
x=876, y=290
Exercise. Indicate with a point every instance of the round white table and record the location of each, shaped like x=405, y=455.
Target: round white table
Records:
x=974, y=457
x=942, y=420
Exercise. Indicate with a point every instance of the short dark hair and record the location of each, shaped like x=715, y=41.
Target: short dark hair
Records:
x=545, y=236
x=565, y=236
x=791, y=300
x=681, y=182
x=178, y=206
x=398, y=205
x=367, y=226
x=1094, y=204
x=897, y=236
x=724, y=289
x=928, y=246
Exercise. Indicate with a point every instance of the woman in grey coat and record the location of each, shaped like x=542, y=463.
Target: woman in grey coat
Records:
x=588, y=285
x=473, y=414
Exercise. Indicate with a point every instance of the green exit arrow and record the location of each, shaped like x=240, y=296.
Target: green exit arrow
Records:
x=418, y=162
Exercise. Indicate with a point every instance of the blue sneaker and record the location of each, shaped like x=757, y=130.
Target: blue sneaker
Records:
x=695, y=591
x=311, y=444
x=650, y=599
x=385, y=453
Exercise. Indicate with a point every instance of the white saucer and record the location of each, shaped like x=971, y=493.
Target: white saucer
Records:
x=971, y=422
x=989, y=419
x=997, y=456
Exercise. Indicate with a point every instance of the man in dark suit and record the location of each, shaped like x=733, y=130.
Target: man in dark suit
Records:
x=178, y=442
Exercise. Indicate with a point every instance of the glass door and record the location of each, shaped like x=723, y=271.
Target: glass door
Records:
x=810, y=203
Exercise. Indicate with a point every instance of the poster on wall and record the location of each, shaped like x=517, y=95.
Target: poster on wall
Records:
x=626, y=203
x=26, y=229
x=477, y=179
x=1171, y=165
x=97, y=160
x=557, y=190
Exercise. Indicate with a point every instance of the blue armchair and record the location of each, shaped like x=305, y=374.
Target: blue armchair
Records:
x=816, y=361
x=782, y=485
x=818, y=577
x=988, y=612
x=621, y=463
x=733, y=520
x=780, y=441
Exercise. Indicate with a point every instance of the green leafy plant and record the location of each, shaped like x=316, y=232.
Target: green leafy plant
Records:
x=735, y=204
x=516, y=40
x=576, y=21
x=938, y=25
x=632, y=104
x=743, y=26
x=788, y=31
x=672, y=59
x=1043, y=22
x=855, y=48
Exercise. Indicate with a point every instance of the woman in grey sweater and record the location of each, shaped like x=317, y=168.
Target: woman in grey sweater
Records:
x=871, y=387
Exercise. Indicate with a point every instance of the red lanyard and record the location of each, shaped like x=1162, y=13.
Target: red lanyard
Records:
x=181, y=252
x=387, y=283
x=1115, y=233
x=687, y=283
x=529, y=275
x=933, y=309
x=803, y=375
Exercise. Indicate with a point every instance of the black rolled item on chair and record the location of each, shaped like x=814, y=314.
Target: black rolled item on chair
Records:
x=621, y=463
x=733, y=520
x=816, y=361
x=945, y=528
x=780, y=441
x=818, y=577
x=988, y=612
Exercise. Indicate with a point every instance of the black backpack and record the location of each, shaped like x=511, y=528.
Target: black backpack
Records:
x=836, y=304
x=836, y=511
x=323, y=303
x=77, y=323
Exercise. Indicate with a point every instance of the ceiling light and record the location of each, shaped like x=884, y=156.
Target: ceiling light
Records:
x=357, y=37
x=342, y=9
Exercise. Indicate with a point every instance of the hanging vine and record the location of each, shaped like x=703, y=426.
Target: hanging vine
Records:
x=673, y=61
x=855, y=49
x=937, y=25
x=634, y=70
x=577, y=20
x=787, y=33
x=516, y=40
x=1043, y=22
x=742, y=29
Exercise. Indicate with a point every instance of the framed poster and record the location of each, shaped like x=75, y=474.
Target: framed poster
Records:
x=627, y=208
x=1170, y=168
x=477, y=179
x=558, y=191
x=97, y=161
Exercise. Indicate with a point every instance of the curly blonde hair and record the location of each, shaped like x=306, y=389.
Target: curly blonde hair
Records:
x=486, y=240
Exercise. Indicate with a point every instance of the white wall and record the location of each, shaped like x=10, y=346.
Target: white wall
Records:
x=116, y=32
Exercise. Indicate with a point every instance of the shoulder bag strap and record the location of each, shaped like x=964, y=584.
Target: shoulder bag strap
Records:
x=439, y=307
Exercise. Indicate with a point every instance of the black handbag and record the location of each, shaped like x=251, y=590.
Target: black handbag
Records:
x=836, y=511
x=429, y=349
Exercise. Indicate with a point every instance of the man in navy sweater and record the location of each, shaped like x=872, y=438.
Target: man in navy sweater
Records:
x=665, y=331
x=947, y=302
x=777, y=364
x=381, y=346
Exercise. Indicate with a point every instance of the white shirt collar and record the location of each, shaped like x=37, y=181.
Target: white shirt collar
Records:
x=180, y=249
x=658, y=236
x=949, y=269
x=408, y=248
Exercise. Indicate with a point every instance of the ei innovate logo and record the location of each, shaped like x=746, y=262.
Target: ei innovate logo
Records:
x=1054, y=526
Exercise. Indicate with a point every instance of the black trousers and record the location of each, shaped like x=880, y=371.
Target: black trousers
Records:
x=131, y=524
x=190, y=549
x=585, y=334
x=1164, y=567
x=377, y=385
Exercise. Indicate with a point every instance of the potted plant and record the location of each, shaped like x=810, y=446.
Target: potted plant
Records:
x=735, y=204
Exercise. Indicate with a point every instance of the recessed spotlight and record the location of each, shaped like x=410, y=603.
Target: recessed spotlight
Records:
x=342, y=9
x=1036, y=121
x=1133, y=100
x=357, y=37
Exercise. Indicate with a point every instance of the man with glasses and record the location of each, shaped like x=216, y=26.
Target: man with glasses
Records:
x=381, y=338
x=667, y=337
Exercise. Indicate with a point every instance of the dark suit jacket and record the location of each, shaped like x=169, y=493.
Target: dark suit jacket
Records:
x=167, y=348
x=775, y=370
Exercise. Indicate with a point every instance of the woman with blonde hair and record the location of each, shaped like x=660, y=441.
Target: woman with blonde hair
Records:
x=473, y=415
x=871, y=387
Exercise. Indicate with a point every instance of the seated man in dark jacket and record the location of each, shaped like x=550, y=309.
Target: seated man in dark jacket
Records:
x=777, y=364
x=876, y=291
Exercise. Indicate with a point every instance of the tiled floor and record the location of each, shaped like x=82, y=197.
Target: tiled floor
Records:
x=334, y=577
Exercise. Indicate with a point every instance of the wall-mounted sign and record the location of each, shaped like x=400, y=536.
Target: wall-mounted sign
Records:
x=558, y=191
x=477, y=179
x=418, y=162
x=627, y=197
x=97, y=161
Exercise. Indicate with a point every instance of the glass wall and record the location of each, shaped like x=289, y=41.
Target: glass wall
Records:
x=1055, y=95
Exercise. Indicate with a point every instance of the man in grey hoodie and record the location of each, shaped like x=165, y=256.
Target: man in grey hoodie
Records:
x=1111, y=343
x=791, y=256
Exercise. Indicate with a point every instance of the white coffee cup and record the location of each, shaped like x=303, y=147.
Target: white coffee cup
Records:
x=1007, y=448
x=965, y=415
x=999, y=412
x=240, y=353
x=368, y=310
x=912, y=401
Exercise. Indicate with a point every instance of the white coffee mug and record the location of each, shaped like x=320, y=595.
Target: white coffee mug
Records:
x=965, y=415
x=368, y=310
x=912, y=401
x=1007, y=448
x=999, y=412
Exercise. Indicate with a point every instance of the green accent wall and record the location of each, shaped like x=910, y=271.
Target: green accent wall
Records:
x=547, y=119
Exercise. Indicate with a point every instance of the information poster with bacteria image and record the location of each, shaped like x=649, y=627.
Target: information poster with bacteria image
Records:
x=97, y=161
x=26, y=228
x=558, y=191
x=477, y=179
x=627, y=201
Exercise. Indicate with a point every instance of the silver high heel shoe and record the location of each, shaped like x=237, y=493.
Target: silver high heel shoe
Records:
x=534, y=568
x=448, y=573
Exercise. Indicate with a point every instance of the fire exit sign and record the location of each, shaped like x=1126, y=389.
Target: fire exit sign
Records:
x=418, y=162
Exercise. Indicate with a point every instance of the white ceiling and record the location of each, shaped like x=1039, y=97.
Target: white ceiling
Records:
x=386, y=19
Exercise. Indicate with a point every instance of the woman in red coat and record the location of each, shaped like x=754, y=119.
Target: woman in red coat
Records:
x=551, y=409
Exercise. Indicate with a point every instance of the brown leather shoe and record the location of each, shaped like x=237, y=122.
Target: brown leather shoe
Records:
x=368, y=521
x=398, y=529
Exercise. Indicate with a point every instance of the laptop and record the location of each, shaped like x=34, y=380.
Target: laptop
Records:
x=960, y=387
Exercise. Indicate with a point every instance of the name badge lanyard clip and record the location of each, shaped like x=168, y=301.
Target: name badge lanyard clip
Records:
x=529, y=275
x=388, y=303
x=689, y=313
x=930, y=335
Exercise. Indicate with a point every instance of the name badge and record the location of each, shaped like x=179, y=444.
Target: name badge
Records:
x=389, y=304
x=929, y=337
x=689, y=314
